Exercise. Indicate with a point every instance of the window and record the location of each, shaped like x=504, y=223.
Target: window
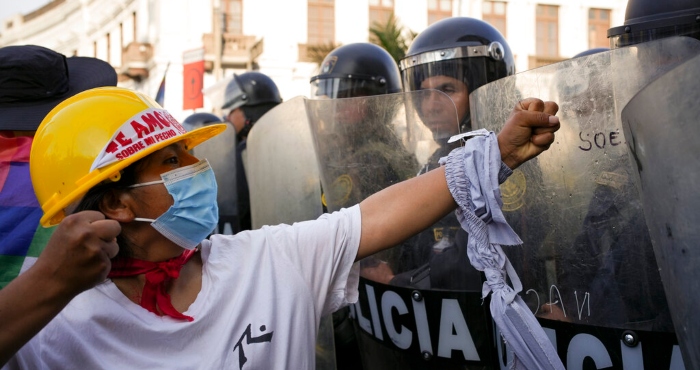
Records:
x=547, y=19
x=439, y=9
x=232, y=11
x=380, y=11
x=598, y=25
x=321, y=27
x=494, y=13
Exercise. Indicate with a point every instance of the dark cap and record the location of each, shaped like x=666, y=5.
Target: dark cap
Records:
x=34, y=79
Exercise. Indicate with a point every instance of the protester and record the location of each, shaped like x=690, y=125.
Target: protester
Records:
x=256, y=296
x=248, y=97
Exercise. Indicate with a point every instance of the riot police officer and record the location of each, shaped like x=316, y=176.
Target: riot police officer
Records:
x=648, y=21
x=606, y=275
x=352, y=71
x=430, y=265
x=454, y=56
x=612, y=254
x=247, y=98
x=362, y=70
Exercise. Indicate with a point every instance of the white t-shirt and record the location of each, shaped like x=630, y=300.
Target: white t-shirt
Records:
x=263, y=294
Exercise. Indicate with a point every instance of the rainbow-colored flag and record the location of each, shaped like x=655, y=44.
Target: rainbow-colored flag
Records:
x=21, y=236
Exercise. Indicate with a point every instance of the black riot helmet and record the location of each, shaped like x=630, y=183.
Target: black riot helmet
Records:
x=250, y=89
x=200, y=119
x=648, y=20
x=354, y=70
x=467, y=49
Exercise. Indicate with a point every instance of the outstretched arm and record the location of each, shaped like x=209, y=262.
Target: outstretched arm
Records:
x=76, y=258
x=404, y=209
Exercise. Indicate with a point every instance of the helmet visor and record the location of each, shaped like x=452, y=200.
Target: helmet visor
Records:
x=471, y=71
x=234, y=96
x=336, y=88
x=640, y=36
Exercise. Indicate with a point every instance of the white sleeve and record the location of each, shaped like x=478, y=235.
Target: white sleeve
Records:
x=324, y=250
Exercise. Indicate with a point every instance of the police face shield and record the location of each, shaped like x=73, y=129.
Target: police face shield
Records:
x=468, y=71
x=420, y=303
x=456, y=73
x=234, y=97
x=347, y=87
x=587, y=264
x=465, y=63
x=660, y=123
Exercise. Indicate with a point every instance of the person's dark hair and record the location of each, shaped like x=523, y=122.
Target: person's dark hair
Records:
x=92, y=199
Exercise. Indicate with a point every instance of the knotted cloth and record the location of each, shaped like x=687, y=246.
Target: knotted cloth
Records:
x=155, y=297
x=473, y=173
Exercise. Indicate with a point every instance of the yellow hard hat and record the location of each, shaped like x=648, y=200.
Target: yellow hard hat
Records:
x=91, y=136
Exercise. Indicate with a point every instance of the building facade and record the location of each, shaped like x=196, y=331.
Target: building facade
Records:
x=146, y=40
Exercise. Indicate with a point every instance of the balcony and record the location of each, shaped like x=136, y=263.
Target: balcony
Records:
x=43, y=10
x=237, y=51
x=137, y=59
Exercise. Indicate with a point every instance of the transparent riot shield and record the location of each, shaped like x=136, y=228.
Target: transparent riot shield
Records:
x=587, y=264
x=420, y=303
x=220, y=151
x=663, y=135
x=281, y=167
x=284, y=186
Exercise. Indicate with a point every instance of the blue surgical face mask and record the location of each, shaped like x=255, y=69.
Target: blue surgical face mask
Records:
x=195, y=213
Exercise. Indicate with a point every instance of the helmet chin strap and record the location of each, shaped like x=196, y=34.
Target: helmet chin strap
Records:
x=466, y=124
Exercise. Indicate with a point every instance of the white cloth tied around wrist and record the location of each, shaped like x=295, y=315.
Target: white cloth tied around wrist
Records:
x=473, y=173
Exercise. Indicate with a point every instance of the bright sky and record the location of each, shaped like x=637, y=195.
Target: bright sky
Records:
x=9, y=8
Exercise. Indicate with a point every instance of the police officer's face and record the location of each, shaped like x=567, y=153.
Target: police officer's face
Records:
x=437, y=115
x=237, y=118
x=351, y=111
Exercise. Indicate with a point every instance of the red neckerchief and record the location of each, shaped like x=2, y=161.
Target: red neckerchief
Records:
x=157, y=275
